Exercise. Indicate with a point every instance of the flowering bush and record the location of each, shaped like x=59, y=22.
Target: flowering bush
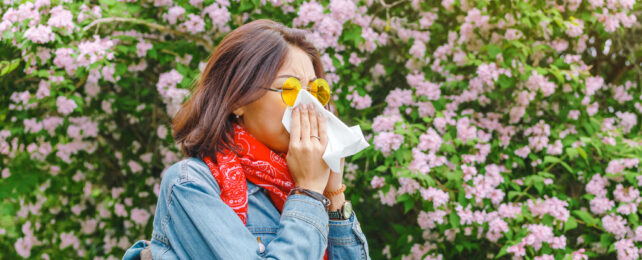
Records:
x=500, y=129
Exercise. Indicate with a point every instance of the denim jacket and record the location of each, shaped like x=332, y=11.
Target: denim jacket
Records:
x=192, y=222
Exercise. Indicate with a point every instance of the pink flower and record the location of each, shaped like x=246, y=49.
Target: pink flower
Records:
x=552, y=206
x=220, y=15
x=377, y=182
x=408, y=185
x=426, y=109
x=309, y=12
x=437, y=196
x=63, y=59
x=359, y=102
x=465, y=131
x=626, y=250
x=90, y=52
x=517, y=250
x=574, y=28
x=468, y=171
x=509, y=210
x=120, y=210
x=579, y=255
x=627, y=120
x=615, y=225
x=399, y=97
x=431, y=141
x=159, y=3
x=386, y=142
x=161, y=132
x=69, y=239
x=536, y=81
x=385, y=123
x=65, y=106
x=418, y=49
x=600, y=205
x=174, y=13
x=140, y=216
x=193, y=24
x=40, y=34
x=523, y=152
x=23, y=246
x=628, y=194
x=593, y=84
x=134, y=166
x=142, y=47
x=342, y=10
x=389, y=198
x=61, y=18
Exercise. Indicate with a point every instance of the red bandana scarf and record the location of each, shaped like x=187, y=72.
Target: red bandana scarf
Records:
x=256, y=163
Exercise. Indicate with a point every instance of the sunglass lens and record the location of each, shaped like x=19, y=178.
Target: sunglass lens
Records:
x=291, y=88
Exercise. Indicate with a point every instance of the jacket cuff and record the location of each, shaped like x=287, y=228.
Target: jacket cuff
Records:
x=307, y=209
x=346, y=232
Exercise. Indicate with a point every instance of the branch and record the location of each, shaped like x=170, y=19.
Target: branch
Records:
x=162, y=28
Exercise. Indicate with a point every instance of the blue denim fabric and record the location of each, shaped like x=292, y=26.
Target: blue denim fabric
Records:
x=192, y=222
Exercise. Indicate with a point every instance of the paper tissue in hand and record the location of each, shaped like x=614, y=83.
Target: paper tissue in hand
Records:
x=342, y=140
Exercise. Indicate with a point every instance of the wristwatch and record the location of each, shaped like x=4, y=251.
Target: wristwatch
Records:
x=343, y=213
x=315, y=195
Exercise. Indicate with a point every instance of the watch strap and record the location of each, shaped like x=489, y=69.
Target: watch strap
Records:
x=313, y=194
x=335, y=214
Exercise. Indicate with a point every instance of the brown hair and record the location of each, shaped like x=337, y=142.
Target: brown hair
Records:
x=246, y=60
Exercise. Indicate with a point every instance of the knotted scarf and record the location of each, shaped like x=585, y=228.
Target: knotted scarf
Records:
x=256, y=163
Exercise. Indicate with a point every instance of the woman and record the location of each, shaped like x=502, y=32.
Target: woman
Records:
x=250, y=189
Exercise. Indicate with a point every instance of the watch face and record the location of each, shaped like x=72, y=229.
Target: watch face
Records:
x=347, y=209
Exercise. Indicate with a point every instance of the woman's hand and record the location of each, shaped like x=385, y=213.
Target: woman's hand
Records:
x=334, y=183
x=305, y=152
x=336, y=178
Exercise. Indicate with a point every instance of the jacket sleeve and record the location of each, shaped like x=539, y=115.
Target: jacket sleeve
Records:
x=346, y=240
x=202, y=226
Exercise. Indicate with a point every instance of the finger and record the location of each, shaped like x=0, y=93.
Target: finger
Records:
x=305, y=125
x=314, y=127
x=295, y=126
x=323, y=130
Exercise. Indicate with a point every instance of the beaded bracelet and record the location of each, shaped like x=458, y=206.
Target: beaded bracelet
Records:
x=335, y=193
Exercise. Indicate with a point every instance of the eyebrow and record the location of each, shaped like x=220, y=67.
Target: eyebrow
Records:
x=287, y=76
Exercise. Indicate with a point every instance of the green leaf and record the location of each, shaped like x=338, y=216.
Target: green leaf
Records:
x=571, y=152
x=502, y=251
x=8, y=67
x=505, y=82
x=550, y=159
x=570, y=224
x=583, y=154
x=246, y=5
x=493, y=50
x=408, y=205
x=634, y=219
x=606, y=239
x=586, y=217
x=352, y=34
x=454, y=219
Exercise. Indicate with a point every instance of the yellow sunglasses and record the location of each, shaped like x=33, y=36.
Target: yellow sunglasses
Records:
x=319, y=88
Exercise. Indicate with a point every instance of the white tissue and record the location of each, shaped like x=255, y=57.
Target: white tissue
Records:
x=342, y=140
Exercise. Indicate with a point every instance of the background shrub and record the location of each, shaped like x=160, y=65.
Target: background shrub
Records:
x=499, y=129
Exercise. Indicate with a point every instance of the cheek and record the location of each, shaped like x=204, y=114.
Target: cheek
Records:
x=271, y=115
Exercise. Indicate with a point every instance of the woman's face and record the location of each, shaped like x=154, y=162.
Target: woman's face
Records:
x=262, y=118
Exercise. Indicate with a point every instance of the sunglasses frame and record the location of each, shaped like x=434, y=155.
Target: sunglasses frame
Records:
x=308, y=88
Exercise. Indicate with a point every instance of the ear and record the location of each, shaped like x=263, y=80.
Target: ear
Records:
x=239, y=111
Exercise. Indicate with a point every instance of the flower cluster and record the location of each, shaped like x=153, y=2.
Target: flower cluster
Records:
x=498, y=129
